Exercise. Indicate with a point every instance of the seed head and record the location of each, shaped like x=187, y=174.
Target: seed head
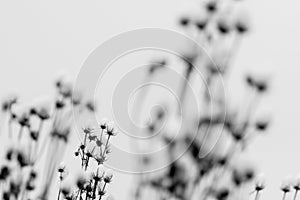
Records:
x=9, y=102
x=184, y=21
x=110, y=130
x=108, y=176
x=103, y=124
x=286, y=185
x=260, y=182
x=211, y=6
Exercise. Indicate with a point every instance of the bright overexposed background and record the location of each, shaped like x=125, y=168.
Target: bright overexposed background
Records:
x=38, y=38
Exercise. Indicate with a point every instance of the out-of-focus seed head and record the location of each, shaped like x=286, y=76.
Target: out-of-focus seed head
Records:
x=22, y=113
x=260, y=182
x=59, y=104
x=296, y=184
x=157, y=64
x=108, y=176
x=10, y=153
x=103, y=124
x=42, y=107
x=242, y=23
x=223, y=26
x=61, y=168
x=184, y=21
x=286, y=184
x=222, y=194
x=243, y=172
x=200, y=20
x=4, y=173
x=262, y=124
x=62, y=124
x=8, y=102
x=81, y=180
x=76, y=98
x=88, y=130
x=211, y=6
x=22, y=159
x=90, y=106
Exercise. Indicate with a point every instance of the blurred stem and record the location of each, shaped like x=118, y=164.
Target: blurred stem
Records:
x=85, y=136
x=187, y=75
x=100, y=146
x=257, y=195
x=102, y=190
x=20, y=133
x=106, y=144
x=95, y=188
x=58, y=196
x=9, y=127
x=284, y=195
x=295, y=194
x=36, y=147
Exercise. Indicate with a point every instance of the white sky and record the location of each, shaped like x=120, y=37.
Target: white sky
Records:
x=38, y=38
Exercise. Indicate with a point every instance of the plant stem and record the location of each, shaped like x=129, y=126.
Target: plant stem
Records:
x=295, y=195
x=105, y=148
x=187, y=75
x=284, y=195
x=257, y=195
x=102, y=190
x=58, y=196
x=9, y=127
x=100, y=146
x=20, y=133
x=95, y=188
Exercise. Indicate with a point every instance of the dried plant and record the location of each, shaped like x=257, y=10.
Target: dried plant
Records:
x=213, y=167
x=38, y=133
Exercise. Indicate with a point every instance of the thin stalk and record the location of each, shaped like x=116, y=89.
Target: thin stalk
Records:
x=295, y=194
x=95, y=188
x=58, y=196
x=187, y=75
x=9, y=128
x=87, y=163
x=106, y=144
x=100, y=146
x=20, y=133
x=102, y=190
x=284, y=195
x=257, y=195
x=36, y=146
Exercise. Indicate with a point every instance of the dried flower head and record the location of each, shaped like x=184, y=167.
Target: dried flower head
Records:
x=260, y=182
x=211, y=6
x=103, y=124
x=286, y=185
x=110, y=129
x=296, y=184
x=223, y=26
x=241, y=23
x=108, y=176
x=184, y=21
x=9, y=102
x=157, y=64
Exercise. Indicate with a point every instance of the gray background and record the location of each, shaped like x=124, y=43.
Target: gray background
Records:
x=38, y=38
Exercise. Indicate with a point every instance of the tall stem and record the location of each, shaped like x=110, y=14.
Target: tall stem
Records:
x=20, y=133
x=102, y=191
x=100, y=146
x=9, y=128
x=105, y=148
x=284, y=195
x=257, y=195
x=58, y=196
x=187, y=75
x=295, y=194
